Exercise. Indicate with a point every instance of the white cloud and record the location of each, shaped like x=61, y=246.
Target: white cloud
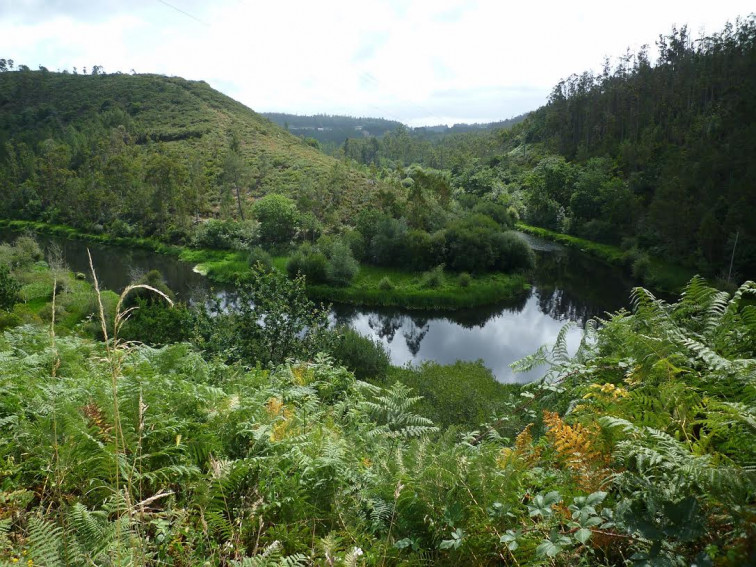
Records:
x=419, y=61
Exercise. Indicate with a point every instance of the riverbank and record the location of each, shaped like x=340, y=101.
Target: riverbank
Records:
x=373, y=286
x=653, y=272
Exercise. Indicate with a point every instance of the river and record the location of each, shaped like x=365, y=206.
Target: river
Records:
x=567, y=286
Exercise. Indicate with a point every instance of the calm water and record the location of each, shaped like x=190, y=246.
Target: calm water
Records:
x=567, y=286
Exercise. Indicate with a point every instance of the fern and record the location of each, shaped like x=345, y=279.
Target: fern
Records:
x=45, y=543
x=393, y=409
x=272, y=556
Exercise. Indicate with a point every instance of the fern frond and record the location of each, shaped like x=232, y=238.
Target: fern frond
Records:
x=45, y=543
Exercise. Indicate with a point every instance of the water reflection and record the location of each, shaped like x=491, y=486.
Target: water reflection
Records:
x=568, y=286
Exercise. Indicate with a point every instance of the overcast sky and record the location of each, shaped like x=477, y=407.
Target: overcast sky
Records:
x=420, y=62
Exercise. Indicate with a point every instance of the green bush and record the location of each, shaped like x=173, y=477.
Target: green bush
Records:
x=463, y=393
x=368, y=359
x=342, y=267
x=158, y=323
x=8, y=320
x=224, y=234
x=258, y=256
x=9, y=288
x=498, y=212
x=434, y=278
x=389, y=245
x=464, y=279
x=278, y=219
x=154, y=279
x=641, y=265
x=309, y=262
x=386, y=284
x=512, y=252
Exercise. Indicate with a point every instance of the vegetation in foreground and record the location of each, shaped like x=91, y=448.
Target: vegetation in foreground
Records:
x=637, y=450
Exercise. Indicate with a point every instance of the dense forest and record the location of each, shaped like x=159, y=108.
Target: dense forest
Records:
x=657, y=156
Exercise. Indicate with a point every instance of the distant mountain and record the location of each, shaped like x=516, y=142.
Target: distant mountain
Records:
x=150, y=151
x=332, y=130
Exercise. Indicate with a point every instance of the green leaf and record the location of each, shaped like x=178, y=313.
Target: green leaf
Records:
x=548, y=548
x=583, y=535
x=510, y=540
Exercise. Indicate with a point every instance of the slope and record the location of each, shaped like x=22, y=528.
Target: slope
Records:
x=148, y=150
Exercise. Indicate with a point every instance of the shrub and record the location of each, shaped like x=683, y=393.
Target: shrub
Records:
x=469, y=243
x=368, y=359
x=433, y=278
x=309, y=262
x=153, y=278
x=158, y=323
x=464, y=279
x=26, y=251
x=342, y=267
x=8, y=320
x=419, y=246
x=9, y=288
x=220, y=234
x=258, y=256
x=386, y=284
x=463, y=393
x=356, y=243
x=498, y=212
x=278, y=218
x=641, y=265
x=121, y=228
x=388, y=246
x=512, y=252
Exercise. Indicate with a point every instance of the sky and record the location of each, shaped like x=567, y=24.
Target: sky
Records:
x=416, y=61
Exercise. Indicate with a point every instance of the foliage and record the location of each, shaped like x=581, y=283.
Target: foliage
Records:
x=271, y=320
x=308, y=262
x=224, y=234
x=258, y=256
x=146, y=155
x=9, y=288
x=115, y=453
x=365, y=357
x=342, y=267
x=277, y=216
x=463, y=394
x=155, y=323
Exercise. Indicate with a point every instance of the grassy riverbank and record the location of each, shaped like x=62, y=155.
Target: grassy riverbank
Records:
x=653, y=272
x=373, y=286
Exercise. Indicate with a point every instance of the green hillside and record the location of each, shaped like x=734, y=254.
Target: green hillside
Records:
x=655, y=157
x=152, y=152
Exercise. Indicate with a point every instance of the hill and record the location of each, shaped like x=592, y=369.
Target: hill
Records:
x=377, y=140
x=661, y=152
x=654, y=157
x=151, y=152
x=332, y=129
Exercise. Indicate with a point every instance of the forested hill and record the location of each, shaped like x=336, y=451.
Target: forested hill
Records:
x=679, y=138
x=331, y=131
x=658, y=157
x=326, y=128
x=146, y=154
